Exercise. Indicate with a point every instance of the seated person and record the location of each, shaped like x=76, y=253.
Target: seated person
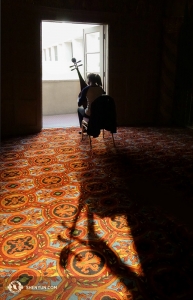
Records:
x=91, y=92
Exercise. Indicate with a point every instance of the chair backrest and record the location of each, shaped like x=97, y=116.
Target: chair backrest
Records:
x=103, y=116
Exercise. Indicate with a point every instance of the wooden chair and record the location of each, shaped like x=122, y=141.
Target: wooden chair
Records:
x=102, y=117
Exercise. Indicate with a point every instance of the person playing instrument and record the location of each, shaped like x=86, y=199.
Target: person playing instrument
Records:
x=91, y=92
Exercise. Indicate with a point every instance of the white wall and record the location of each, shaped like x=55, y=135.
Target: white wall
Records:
x=60, y=69
x=60, y=96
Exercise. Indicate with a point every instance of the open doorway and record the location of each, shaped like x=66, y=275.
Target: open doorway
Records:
x=61, y=41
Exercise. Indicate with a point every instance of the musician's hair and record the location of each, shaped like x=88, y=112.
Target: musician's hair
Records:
x=94, y=78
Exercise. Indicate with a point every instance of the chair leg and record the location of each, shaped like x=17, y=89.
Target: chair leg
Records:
x=84, y=126
x=113, y=140
x=82, y=132
x=90, y=142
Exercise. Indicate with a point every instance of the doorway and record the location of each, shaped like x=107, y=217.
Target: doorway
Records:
x=61, y=41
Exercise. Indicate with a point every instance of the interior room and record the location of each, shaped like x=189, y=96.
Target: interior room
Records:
x=113, y=221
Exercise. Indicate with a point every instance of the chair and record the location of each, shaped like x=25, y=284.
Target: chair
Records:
x=103, y=116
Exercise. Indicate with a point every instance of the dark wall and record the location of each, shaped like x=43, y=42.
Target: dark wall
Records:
x=136, y=57
x=171, y=108
x=20, y=70
x=183, y=97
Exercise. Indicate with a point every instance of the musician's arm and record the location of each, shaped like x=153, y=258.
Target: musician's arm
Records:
x=82, y=97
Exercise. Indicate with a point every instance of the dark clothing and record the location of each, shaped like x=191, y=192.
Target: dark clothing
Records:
x=90, y=93
x=103, y=116
x=82, y=96
x=81, y=115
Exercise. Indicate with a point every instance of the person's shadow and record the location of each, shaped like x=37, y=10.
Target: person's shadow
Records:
x=92, y=255
x=111, y=237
